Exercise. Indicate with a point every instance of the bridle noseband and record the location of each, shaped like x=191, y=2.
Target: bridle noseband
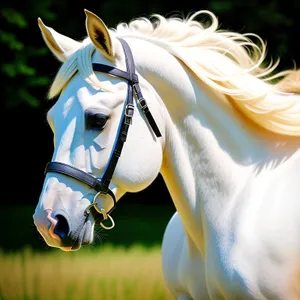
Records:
x=101, y=186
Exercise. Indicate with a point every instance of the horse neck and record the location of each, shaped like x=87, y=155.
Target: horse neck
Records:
x=209, y=154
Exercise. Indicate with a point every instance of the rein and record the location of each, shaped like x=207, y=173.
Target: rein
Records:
x=101, y=186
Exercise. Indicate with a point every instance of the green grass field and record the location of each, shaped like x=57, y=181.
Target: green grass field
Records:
x=105, y=273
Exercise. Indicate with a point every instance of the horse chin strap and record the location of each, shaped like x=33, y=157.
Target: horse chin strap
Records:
x=101, y=186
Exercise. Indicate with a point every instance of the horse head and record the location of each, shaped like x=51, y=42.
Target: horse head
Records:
x=101, y=148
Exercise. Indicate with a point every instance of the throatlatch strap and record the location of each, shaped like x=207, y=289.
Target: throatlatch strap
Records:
x=137, y=90
x=145, y=109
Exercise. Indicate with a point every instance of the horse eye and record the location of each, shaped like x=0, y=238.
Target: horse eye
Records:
x=96, y=121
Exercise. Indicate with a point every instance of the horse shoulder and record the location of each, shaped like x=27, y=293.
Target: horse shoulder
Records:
x=266, y=247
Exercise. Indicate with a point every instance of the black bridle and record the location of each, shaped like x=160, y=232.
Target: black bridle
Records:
x=101, y=186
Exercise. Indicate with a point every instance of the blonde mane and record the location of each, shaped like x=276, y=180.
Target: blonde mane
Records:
x=229, y=62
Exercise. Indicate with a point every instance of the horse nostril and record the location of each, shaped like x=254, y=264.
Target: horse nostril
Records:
x=62, y=227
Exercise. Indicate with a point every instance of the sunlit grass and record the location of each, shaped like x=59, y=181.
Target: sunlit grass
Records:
x=103, y=273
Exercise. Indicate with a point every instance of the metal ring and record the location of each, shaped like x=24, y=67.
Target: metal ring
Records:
x=99, y=210
x=102, y=212
x=112, y=223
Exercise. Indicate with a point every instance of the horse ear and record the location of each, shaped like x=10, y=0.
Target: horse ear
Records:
x=99, y=34
x=60, y=45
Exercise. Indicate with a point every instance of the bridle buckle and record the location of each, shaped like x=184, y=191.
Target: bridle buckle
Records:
x=129, y=109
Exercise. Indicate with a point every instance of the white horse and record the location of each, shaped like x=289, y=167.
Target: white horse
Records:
x=223, y=135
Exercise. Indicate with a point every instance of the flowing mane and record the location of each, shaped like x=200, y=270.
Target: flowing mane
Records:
x=229, y=62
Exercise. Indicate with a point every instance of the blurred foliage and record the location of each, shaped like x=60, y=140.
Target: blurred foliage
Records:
x=18, y=53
